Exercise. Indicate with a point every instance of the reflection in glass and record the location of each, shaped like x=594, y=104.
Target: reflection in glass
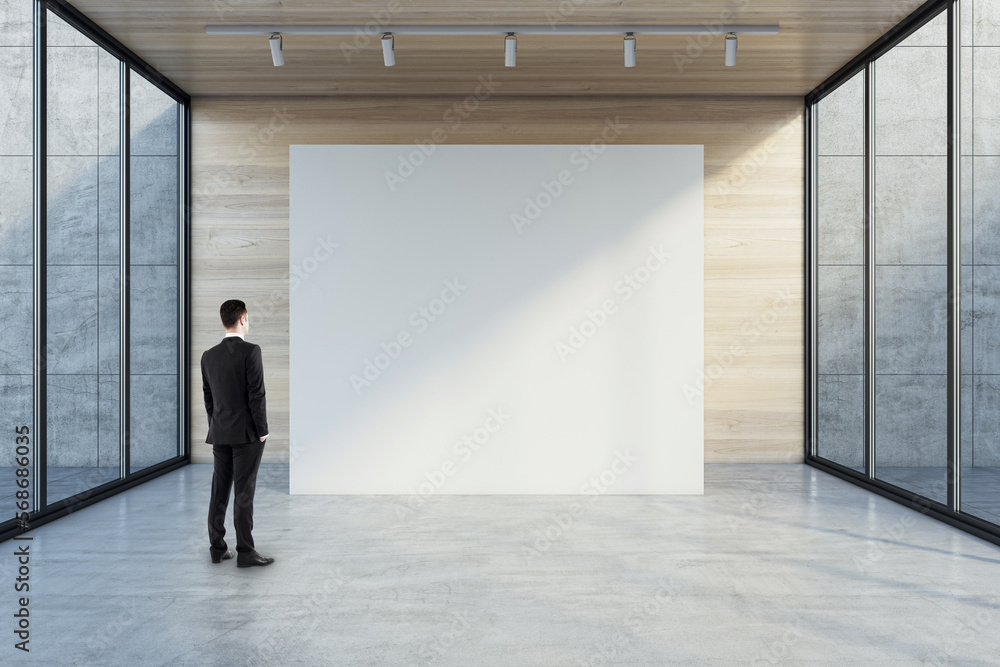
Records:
x=16, y=252
x=153, y=343
x=82, y=226
x=911, y=209
x=980, y=175
x=840, y=174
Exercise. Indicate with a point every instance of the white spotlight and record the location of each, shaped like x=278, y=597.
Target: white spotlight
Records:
x=730, y=49
x=629, y=50
x=276, y=55
x=510, y=50
x=388, y=49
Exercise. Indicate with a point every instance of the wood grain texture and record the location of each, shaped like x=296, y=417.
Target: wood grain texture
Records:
x=753, y=231
x=816, y=38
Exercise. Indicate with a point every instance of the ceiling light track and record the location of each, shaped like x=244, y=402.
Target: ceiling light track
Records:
x=510, y=36
x=351, y=30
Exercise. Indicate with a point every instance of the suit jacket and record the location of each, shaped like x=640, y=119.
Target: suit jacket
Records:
x=232, y=375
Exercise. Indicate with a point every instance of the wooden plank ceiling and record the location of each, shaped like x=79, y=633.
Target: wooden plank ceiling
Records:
x=817, y=37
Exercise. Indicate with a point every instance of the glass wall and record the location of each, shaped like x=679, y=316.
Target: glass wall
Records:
x=910, y=121
x=16, y=252
x=840, y=174
x=77, y=364
x=881, y=263
x=82, y=220
x=980, y=177
x=154, y=174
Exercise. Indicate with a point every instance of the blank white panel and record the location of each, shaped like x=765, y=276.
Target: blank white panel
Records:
x=508, y=250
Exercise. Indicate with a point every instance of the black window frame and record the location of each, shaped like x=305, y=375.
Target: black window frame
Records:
x=949, y=512
x=131, y=64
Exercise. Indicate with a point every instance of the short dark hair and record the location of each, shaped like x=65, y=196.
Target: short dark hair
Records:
x=231, y=312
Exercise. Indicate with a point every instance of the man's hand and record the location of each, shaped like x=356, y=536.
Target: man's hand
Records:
x=263, y=439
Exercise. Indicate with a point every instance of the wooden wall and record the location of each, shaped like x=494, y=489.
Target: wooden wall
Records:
x=754, y=222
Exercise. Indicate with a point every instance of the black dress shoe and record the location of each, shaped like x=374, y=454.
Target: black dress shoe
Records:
x=251, y=559
x=218, y=558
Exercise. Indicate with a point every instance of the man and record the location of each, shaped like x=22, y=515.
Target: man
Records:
x=232, y=375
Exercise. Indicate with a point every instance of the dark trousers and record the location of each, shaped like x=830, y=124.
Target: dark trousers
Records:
x=234, y=465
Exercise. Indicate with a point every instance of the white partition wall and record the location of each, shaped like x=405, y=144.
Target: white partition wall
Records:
x=496, y=319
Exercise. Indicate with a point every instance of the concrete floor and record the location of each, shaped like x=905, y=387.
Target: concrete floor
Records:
x=775, y=564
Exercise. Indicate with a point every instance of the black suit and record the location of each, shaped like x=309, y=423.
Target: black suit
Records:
x=232, y=376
